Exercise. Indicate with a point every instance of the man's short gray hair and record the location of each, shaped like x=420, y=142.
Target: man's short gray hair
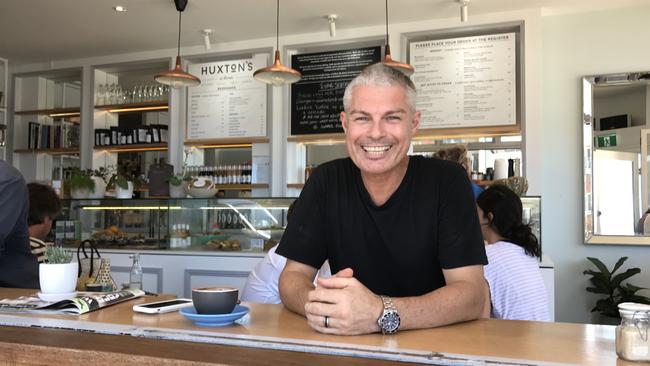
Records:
x=381, y=75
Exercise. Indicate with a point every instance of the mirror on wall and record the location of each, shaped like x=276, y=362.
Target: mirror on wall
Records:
x=616, y=127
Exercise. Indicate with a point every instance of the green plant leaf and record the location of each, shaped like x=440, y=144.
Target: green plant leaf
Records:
x=603, y=285
x=597, y=290
x=616, y=280
x=618, y=264
x=601, y=267
x=632, y=288
x=607, y=307
x=638, y=299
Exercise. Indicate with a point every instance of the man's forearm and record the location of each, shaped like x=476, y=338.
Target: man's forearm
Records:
x=294, y=287
x=456, y=302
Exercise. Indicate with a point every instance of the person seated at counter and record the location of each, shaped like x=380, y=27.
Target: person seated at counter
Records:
x=517, y=289
x=18, y=266
x=401, y=233
x=44, y=207
x=458, y=154
x=262, y=283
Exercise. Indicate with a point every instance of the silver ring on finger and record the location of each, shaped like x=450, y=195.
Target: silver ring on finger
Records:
x=327, y=321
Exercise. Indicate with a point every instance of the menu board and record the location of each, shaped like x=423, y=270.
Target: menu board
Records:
x=229, y=102
x=317, y=99
x=466, y=82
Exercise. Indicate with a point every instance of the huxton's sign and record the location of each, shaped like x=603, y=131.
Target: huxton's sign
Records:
x=229, y=102
x=230, y=68
x=317, y=99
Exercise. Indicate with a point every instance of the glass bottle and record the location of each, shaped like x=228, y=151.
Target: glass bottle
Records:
x=135, y=276
x=632, y=335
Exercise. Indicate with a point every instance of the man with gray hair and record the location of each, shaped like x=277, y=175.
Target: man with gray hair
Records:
x=401, y=233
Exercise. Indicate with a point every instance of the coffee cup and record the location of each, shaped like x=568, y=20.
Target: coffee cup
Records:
x=215, y=300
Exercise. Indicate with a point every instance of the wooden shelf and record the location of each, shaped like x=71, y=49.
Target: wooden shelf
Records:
x=484, y=183
x=71, y=111
x=295, y=185
x=239, y=187
x=133, y=147
x=158, y=105
x=58, y=151
x=324, y=138
x=225, y=143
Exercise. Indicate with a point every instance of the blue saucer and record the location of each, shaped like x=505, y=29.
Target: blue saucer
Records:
x=214, y=320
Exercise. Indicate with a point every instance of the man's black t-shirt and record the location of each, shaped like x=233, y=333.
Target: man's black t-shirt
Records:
x=398, y=248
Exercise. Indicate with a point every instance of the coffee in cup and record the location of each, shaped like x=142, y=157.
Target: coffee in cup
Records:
x=215, y=300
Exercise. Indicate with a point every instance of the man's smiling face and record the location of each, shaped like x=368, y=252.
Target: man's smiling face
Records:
x=378, y=128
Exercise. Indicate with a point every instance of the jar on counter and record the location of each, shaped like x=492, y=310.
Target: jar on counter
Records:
x=632, y=335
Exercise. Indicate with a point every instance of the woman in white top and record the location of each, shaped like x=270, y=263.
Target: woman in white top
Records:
x=262, y=283
x=516, y=286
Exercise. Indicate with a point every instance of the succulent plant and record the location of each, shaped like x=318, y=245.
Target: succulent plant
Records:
x=57, y=255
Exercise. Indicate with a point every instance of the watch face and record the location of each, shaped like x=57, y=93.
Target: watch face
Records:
x=390, y=322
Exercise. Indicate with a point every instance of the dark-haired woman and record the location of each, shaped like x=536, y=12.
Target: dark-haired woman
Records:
x=516, y=286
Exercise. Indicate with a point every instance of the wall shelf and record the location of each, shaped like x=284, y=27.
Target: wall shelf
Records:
x=53, y=112
x=232, y=142
x=295, y=185
x=238, y=187
x=159, y=105
x=60, y=151
x=133, y=147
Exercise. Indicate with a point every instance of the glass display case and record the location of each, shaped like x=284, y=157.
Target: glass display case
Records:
x=188, y=224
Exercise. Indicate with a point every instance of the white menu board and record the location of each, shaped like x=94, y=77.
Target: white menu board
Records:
x=466, y=82
x=229, y=102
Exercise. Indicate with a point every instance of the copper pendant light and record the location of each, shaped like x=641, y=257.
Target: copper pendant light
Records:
x=277, y=74
x=177, y=78
x=407, y=69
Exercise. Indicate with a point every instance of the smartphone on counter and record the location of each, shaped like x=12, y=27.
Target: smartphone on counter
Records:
x=164, y=306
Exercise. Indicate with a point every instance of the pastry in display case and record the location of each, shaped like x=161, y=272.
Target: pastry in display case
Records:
x=188, y=224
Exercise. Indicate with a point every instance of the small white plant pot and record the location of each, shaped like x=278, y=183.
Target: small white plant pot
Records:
x=58, y=278
x=79, y=193
x=124, y=193
x=176, y=191
x=100, y=188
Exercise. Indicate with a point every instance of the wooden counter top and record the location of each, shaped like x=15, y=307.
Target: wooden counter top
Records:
x=270, y=334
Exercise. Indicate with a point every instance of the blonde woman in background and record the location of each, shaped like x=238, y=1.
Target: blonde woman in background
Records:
x=458, y=154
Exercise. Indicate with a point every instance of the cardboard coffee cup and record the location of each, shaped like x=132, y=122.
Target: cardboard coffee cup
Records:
x=215, y=300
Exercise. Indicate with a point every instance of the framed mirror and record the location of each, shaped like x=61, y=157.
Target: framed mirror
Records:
x=616, y=134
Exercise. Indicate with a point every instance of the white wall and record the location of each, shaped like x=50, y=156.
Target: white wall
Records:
x=575, y=45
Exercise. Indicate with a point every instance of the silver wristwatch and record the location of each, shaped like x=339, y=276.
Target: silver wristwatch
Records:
x=389, y=320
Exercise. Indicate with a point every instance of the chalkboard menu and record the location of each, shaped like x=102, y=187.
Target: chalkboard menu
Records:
x=317, y=99
x=467, y=81
x=229, y=102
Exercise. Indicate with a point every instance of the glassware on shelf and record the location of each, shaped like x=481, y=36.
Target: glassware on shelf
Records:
x=100, y=99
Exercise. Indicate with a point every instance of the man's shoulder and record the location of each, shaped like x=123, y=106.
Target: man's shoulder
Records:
x=9, y=174
x=334, y=169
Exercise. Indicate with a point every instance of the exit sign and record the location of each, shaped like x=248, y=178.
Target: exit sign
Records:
x=606, y=141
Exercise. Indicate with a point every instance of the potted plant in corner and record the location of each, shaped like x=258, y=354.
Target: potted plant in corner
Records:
x=79, y=184
x=605, y=282
x=57, y=275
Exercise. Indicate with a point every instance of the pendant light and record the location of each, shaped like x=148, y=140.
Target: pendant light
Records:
x=277, y=74
x=177, y=78
x=407, y=69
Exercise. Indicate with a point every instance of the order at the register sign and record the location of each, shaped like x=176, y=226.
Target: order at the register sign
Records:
x=466, y=82
x=229, y=102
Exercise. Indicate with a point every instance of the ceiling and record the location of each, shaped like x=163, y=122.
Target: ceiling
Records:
x=46, y=30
